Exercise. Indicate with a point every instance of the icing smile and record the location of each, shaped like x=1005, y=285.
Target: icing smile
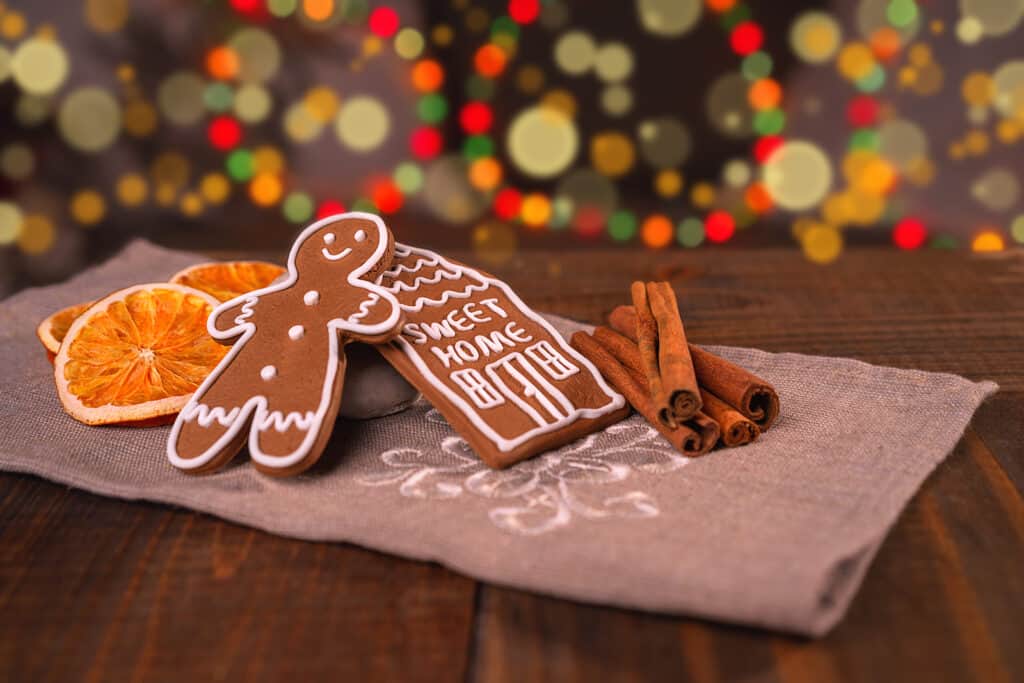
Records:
x=335, y=257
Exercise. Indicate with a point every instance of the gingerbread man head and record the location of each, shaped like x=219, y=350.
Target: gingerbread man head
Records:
x=347, y=245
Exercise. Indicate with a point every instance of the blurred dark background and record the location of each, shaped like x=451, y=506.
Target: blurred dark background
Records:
x=504, y=126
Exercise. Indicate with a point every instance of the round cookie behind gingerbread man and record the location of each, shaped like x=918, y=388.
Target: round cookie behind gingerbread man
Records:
x=283, y=377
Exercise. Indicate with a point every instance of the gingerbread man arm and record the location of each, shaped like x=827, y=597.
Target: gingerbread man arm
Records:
x=232, y=317
x=375, y=319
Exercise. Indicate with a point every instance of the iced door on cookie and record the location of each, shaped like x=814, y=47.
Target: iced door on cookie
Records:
x=497, y=371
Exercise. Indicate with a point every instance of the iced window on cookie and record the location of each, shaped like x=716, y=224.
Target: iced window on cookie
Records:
x=483, y=394
x=551, y=361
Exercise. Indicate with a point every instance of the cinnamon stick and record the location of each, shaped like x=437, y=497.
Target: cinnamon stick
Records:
x=693, y=439
x=661, y=339
x=737, y=430
x=743, y=390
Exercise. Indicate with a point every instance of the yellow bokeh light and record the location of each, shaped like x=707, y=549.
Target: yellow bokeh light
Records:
x=668, y=183
x=612, y=153
x=976, y=142
x=12, y=25
x=215, y=188
x=318, y=10
x=822, y=243
x=89, y=119
x=131, y=189
x=37, y=234
x=267, y=159
x=535, y=210
x=542, y=141
x=485, y=173
x=140, y=118
x=265, y=189
x=170, y=168
x=165, y=194
x=88, y=207
x=363, y=123
x=442, y=35
x=11, y=221
x=797, y=175
x=988, y=240
x=702, y=195
x=1008, y=131
x=978, y=89
x=106, y=16
x=322, y=103
x=855, y=61
x=191, y=204
x=815, y=37
x=39, y=66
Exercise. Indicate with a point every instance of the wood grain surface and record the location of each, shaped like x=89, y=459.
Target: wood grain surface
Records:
x=96, y=589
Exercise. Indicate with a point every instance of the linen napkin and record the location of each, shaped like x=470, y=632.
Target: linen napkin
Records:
x=777, y=534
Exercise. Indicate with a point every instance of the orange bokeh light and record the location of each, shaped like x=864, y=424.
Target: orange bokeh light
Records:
x=222, y=63
x=490, y=60
x=656, y=231
x=427, y=75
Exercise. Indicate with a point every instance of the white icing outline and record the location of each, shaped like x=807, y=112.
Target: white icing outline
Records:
x=430, y=258
x=244, y=329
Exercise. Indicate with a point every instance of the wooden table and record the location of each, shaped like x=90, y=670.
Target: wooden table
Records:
x=98, y=589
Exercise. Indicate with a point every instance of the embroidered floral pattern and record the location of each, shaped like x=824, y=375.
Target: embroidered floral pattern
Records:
x=543, y=494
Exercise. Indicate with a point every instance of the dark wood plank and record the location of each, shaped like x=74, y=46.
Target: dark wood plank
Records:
x=1000, y=424
x=95, y=589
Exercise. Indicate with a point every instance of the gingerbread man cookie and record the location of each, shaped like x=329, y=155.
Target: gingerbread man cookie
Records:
x=498, y=372
x=284, y=374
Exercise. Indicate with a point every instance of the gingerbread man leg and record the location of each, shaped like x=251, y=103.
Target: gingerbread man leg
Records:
x=211, y=428
x=298, y=404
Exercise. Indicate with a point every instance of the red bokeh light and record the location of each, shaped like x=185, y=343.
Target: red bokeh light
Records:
x=909, y=233
x=426, y=142
x=589, y=222
x=383, y=22
x=862, y=111
x=507, y=203
x=719, y=226
x=476, y=118
x=523, y=11
x=249, y=8
x=387, y=196
x=224, y=132
x=329, y=207
x=746, y=38
x=764, y=147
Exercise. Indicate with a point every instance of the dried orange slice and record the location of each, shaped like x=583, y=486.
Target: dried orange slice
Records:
x=227, y=280
x=52, y=330
x=137, y=354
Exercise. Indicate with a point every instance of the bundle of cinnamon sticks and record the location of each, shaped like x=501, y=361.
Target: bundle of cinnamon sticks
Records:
x=694, y=398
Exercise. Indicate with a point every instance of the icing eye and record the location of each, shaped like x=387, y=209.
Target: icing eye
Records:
x=329, y=238
x=360, y=235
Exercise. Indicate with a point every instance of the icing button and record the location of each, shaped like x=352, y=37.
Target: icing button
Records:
x=268, y=372
x=296, y=332
x=312, y=297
